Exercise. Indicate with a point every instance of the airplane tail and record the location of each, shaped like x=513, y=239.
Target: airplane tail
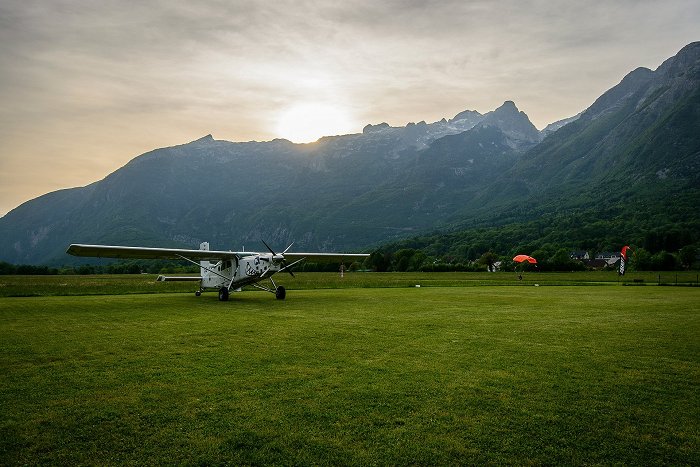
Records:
x=204, y=265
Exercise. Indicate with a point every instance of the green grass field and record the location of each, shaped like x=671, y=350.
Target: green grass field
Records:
x=365, y=374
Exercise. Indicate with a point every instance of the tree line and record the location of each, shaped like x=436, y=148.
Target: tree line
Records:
x=386, y=259
x=549, y=258
x=121, y=267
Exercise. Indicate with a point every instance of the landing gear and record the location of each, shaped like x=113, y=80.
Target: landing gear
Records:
x=223, y=294
x=279, y=291
x=198, y=293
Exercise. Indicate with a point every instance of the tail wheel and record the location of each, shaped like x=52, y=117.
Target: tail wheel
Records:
x=280, y=293
x=223, y=294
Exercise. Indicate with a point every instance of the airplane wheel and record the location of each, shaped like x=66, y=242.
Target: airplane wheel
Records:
x=223, y=294
x=280, y=293
x=198, y=293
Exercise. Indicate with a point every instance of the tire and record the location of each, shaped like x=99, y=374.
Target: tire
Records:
x=198, y=293
x=223, y=294
x=280, y=293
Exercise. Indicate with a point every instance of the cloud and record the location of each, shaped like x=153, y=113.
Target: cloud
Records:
x=96, y=82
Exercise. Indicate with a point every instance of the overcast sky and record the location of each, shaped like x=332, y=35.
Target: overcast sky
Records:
x=87, y=85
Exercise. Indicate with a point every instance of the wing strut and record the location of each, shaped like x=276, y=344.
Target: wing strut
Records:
x=206, y=268
x=288, y=266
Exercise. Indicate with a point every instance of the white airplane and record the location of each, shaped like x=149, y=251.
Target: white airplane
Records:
x=221, y=270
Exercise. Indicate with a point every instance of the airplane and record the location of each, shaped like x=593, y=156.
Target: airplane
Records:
x=220, y=270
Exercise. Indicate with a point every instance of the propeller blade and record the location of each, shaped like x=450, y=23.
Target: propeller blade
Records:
x=287, y=249
x=268, y=247
x=286, y=268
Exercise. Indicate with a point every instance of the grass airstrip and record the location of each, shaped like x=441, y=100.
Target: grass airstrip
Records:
x=370, y=369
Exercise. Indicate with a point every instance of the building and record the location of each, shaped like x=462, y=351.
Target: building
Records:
x=579, y=255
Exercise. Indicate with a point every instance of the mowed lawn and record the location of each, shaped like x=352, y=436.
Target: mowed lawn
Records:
x=439, y=375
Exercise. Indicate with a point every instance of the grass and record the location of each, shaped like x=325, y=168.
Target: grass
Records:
x=99, y=284
x=357, y=376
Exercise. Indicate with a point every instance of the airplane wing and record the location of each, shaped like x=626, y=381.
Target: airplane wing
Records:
x=137, y=252
x=326, y=257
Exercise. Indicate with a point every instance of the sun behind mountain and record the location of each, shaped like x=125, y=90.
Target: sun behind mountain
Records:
x=305, y=123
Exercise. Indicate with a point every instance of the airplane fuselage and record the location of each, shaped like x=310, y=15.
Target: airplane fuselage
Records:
x=237, y=273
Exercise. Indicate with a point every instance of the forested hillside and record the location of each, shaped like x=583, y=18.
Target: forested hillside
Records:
x=626, y=172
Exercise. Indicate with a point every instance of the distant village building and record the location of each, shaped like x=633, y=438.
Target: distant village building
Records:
x=611, y=258
x=579, y=255
x=608, y=255
x=603, y=260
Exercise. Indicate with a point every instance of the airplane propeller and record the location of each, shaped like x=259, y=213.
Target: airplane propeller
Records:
x=280, y=257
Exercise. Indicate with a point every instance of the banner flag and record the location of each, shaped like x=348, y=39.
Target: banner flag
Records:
x=623, y=259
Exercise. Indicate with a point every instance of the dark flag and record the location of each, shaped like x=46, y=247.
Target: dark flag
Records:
x=623, y=259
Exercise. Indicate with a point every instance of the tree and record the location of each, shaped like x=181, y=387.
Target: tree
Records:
x=489, y=259
x=687, y=256
x=663, y=261
x=641, y=260
x=562, y=261
x=378, y=261
x=402, y=259
x=7, y=268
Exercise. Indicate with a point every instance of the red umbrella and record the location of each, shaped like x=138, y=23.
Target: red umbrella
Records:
x=523, y=258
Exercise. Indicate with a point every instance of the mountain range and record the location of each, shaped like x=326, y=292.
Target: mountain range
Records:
x=631, y=159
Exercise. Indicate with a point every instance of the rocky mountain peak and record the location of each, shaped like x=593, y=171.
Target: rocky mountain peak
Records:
x=514, y=123
x=617, y=96
x=204, y=139
x=687, y=59
x=467, y=115
x=507, y=106
x=676, y=76
x=375, y=128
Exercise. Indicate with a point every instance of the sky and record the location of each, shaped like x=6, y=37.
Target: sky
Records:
x=86, y=86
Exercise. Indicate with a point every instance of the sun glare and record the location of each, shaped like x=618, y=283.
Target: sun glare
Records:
x=305, y=123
